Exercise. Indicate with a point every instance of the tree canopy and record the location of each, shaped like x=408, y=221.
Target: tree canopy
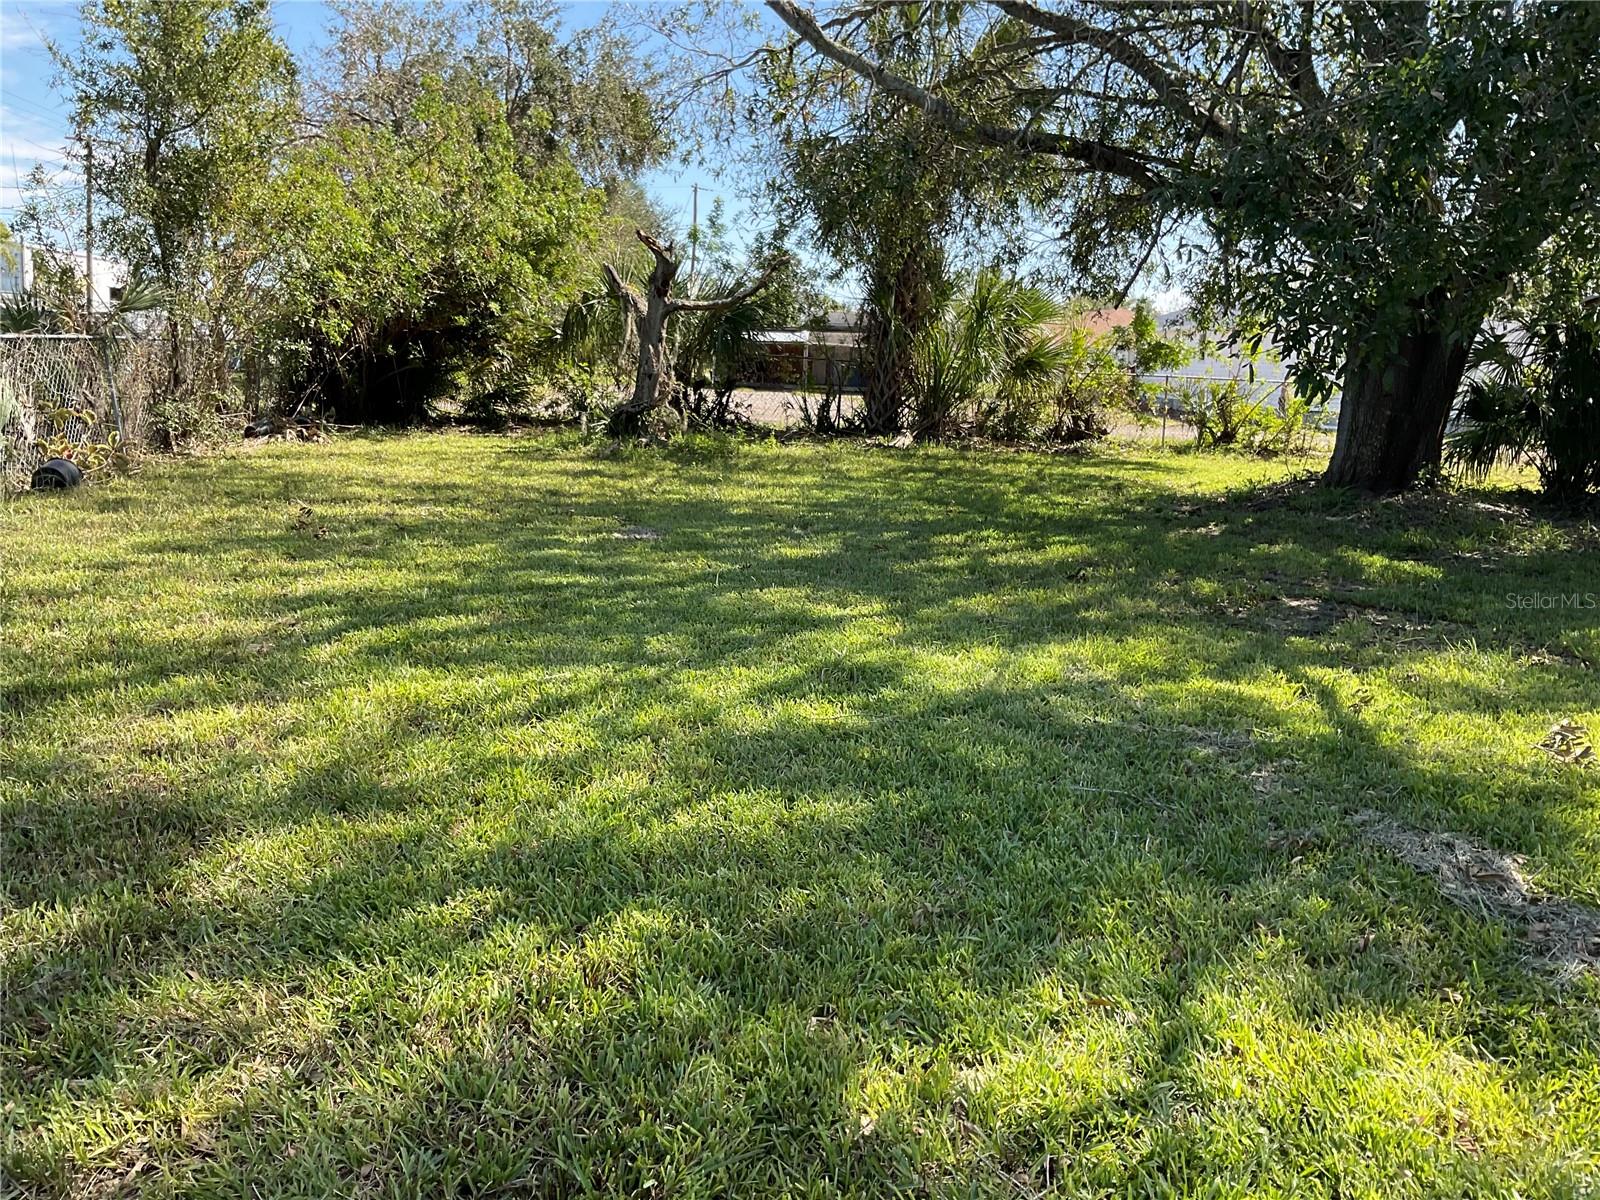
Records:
x=1369, y=176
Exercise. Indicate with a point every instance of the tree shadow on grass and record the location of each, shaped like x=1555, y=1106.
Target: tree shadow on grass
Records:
x=560, y=864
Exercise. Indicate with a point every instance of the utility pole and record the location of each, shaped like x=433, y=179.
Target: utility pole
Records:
x=88, y=228
x=694, y=232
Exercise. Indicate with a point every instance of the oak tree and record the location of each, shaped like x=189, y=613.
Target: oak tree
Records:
x=1369, y=176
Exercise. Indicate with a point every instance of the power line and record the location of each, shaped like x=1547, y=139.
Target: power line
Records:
x=29, y=102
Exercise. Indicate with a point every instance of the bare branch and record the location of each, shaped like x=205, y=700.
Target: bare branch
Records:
x=722, y=302
x=655, y=246
x=1296, y=67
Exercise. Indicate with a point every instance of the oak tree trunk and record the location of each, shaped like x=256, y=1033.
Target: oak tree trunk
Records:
x=650, y=314
x=1394, y=408
x=652, y=331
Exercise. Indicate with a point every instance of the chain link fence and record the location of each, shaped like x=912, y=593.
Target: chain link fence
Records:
x=70, y=396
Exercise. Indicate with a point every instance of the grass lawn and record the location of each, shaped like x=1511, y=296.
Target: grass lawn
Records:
x=470, y=816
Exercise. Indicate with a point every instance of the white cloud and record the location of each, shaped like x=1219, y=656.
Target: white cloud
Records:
x=24, y=26
x=17, y=35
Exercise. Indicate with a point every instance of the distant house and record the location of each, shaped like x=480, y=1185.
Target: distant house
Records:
x=827, y=352
x=824, y=354
x=1265, y=376
x=1219, y=362
x=19, y=263
x=1099, y=322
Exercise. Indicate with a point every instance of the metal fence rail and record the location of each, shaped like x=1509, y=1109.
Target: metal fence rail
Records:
x=1176, y=393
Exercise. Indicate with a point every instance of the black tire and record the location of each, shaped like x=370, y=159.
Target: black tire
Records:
x=57, y=474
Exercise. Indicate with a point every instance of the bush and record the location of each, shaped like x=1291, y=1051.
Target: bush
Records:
x=1005, y=359
x=1534, y=396
x=1227, y=415
x=419, y=275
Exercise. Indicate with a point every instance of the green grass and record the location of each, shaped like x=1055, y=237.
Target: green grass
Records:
x=377, y=822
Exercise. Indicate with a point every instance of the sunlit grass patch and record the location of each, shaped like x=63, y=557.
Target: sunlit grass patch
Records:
x=891, y=823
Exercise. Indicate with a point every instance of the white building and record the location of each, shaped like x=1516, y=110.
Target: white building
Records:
x=17, y=263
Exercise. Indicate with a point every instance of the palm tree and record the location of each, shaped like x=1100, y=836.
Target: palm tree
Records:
x=1533, y=395
x=1001, y=337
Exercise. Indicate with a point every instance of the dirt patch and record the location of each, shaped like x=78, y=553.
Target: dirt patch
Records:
x=1568, y=742
x=1562, y=935
x=1313, y=616
x=1302, y=616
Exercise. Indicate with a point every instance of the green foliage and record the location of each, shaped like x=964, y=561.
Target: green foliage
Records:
x=587, y=98
x=186, y=105
x=715, y=347
x=1535, y=396
x=93, y=455
x=792, y=296
x=706, y=349
x=1074, y=405
x=184, y=102
x=1240, y=414
x=1456, y=140
x=26, y=312
x=54, y=303
x=416, y=269
x=1007, y=360
x=1226, y=413
x=1367, y=178
x=411, y=248
x=1149, y=353
x=884, y=188
x=994, y=342
x=1245, y=415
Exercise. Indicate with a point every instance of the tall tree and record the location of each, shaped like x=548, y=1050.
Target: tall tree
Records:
x=182, y=100
x=1371, y=175
x=585, y=97
x=420, y=266
x=432, y=230
x=884, y=188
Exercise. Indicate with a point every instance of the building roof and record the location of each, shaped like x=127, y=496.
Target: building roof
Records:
x=1100, y=321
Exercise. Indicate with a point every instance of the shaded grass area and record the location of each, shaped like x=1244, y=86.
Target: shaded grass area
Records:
x=377, y=821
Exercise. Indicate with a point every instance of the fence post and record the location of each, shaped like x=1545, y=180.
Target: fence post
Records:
x=111, y=387
x=1166, y=403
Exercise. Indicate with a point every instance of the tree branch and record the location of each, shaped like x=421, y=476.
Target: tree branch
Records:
x=1295, y=67
x=722, y=302
x=622, y=291
x=1100, y=155
x=1167, y=88
x=661, y=252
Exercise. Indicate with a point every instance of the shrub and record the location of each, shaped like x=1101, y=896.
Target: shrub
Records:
x=1223, y=415
x=1000, y=358
x=1534, y=395
x=1227, y=414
